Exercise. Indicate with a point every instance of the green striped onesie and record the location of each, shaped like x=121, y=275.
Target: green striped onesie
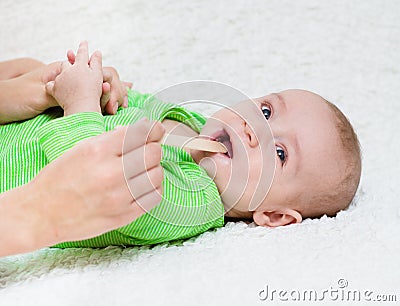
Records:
x=191, y=203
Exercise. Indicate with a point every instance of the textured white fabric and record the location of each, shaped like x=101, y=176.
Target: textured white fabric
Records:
x=345, y=50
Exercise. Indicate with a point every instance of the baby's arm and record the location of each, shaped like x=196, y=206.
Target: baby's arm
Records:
x=77, y=89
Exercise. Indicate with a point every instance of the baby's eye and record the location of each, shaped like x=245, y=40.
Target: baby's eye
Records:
x=266, y=111
x=281, y=154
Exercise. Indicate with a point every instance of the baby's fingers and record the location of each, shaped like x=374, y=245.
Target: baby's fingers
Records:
x=95, y=62
x=105, y=97
x=127, y=84
x=82, y=55
x=125, y=98
x=71, y=57
x=113, y=103
x=111, y=108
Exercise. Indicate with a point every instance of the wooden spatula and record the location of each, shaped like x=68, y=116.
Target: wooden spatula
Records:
x=195, y=143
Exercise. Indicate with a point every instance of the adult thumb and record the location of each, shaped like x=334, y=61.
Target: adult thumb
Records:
x=51, y=71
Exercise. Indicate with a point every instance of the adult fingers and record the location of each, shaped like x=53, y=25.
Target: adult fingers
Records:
x=50, y=88
x=143, y=158
x=139, y=206
x=145, y=182
x=82, y=55
x=107, y=76
x=54, y=71
x=110, y=143
x=51, y=72
x=118, y=141
x=147, y=201
x=142, y=132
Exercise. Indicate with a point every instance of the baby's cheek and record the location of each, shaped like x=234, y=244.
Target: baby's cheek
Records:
x=224, y=115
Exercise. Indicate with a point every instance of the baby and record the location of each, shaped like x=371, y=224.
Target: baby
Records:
x=318, y=161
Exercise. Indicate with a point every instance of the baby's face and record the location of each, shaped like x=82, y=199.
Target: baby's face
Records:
x=303, y=150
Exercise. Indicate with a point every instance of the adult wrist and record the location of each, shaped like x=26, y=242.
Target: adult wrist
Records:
x=23, y=225
x=43, y=232
x=8, y=101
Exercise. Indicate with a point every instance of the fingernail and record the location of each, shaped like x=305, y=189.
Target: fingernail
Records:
x=115, y=107
x=125, y=101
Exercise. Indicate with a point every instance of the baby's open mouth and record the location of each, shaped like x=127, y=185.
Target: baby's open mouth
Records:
x=223, y=137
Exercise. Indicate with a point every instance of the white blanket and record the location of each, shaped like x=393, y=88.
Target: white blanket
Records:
x=345, y=50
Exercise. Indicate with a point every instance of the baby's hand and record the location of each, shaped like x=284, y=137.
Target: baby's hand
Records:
x=78, y=87
x=114, y=90
x=116, y=95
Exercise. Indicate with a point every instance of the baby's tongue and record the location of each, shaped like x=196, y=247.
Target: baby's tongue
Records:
x=228, y=146
x=196, y=143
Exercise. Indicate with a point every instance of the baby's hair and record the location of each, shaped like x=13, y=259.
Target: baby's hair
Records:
x=340, y=196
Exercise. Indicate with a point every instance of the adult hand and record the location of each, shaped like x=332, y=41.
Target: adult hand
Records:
x=86, y=191
x=25, y=96
x=16, y=67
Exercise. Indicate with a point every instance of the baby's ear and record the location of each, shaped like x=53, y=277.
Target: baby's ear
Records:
x=276, y=218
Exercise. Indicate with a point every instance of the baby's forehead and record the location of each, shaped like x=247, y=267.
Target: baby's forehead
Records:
x=299, y=96
x=303, y=102
x=302, y=112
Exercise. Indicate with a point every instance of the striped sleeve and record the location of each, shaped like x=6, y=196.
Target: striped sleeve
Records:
x=138, y=100
x=58, y=135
